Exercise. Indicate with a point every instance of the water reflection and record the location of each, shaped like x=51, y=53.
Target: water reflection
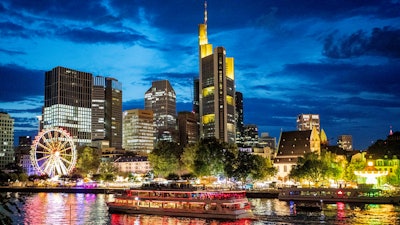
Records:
x=59, y=208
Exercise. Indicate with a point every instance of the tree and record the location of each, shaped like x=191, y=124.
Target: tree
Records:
x=310, y=168
x=165, y=158
x=88, y=160
x=107, y=170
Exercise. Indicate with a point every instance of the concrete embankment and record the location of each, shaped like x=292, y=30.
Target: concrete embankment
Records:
x=249, y=194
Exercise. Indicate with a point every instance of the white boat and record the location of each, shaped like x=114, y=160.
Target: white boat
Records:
x=191, y=203
x=332, y=195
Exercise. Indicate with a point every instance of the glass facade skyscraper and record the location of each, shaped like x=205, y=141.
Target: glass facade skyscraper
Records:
x=68, y=103
x=216, y=90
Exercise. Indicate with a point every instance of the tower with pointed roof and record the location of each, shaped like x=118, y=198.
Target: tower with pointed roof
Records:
x=216, y=89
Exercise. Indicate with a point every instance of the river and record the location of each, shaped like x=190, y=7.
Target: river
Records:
x=61, y=208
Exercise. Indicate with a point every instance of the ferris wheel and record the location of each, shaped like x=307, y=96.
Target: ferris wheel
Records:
x=53, y=152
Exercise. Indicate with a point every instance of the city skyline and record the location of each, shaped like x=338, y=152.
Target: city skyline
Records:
x=338, y=59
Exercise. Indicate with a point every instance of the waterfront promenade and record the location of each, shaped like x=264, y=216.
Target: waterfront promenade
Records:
x=271, y=193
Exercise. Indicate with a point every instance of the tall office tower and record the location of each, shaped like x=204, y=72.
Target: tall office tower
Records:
x=98, y=108
x=6, y=140
x=161, y=99
x=216, y=90
x=107, y=110
x=345, y=142
x=308, y=121
x=68, y=103
x=239, y=117
x=187, y=128
x=138, y=131
x=113, y=113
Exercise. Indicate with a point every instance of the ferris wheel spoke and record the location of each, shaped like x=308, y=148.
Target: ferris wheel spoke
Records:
x=63, y=149
x=47, y=140
x=45, y=147
x=65, y=160
x=63, y=168
x=44, y=157
x=63, y=144
x=47, y=153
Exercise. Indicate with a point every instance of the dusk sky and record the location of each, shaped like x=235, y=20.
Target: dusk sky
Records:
x=339, y=59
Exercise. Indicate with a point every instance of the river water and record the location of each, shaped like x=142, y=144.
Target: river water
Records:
x=61, y=208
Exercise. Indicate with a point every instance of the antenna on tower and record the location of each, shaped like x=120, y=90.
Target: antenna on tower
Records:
x=205, y=12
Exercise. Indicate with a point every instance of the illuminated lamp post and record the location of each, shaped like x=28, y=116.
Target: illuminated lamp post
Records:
x=371, y=173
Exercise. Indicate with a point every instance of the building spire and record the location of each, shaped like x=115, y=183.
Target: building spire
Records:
x=205, y=12
x=390, y=131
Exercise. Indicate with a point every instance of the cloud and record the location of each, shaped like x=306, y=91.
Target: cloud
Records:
x=12, y=52
x=382, y=42
x=25, y=83
x=90, y=35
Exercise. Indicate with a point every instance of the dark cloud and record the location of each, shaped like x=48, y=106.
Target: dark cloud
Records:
x=9, y=29
x=90, y=35
x=12, y=52
x=25, y=83
x=382, y=42
x=61, y=9
x=174, y=78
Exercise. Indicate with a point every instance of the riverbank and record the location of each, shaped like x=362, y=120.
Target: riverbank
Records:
x=249, y=194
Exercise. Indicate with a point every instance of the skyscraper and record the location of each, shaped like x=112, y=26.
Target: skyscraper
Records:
x=88, y=108
x=161, y=99
x=187, y=128
x=138, y=131
x=216, y=90
x=6, y=139
x=68, y=103
x=107, y=110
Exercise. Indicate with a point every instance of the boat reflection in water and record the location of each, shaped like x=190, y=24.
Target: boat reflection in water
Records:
x=121, y=219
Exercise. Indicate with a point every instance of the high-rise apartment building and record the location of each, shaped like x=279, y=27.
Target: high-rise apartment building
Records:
x=187, y=128
x=161, y=99
x=138, y=131
x=308, y=121
x=216, y=90
x=6, y=140
x=68, y=103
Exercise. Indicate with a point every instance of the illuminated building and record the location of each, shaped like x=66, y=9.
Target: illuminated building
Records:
x=187, y=128
x=107, y=110
x=68, y=103
x=138, y=131
x=308, y=121
x=291, y=146
x=161, y=99
x=345, y=142
x=89, y=108
x=6, y=140
x=133, y=164
x=216, y=90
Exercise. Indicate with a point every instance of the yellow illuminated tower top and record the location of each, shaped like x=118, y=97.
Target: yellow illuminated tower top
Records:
x=205, y=48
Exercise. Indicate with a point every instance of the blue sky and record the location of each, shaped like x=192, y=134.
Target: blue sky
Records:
x=339, y=59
